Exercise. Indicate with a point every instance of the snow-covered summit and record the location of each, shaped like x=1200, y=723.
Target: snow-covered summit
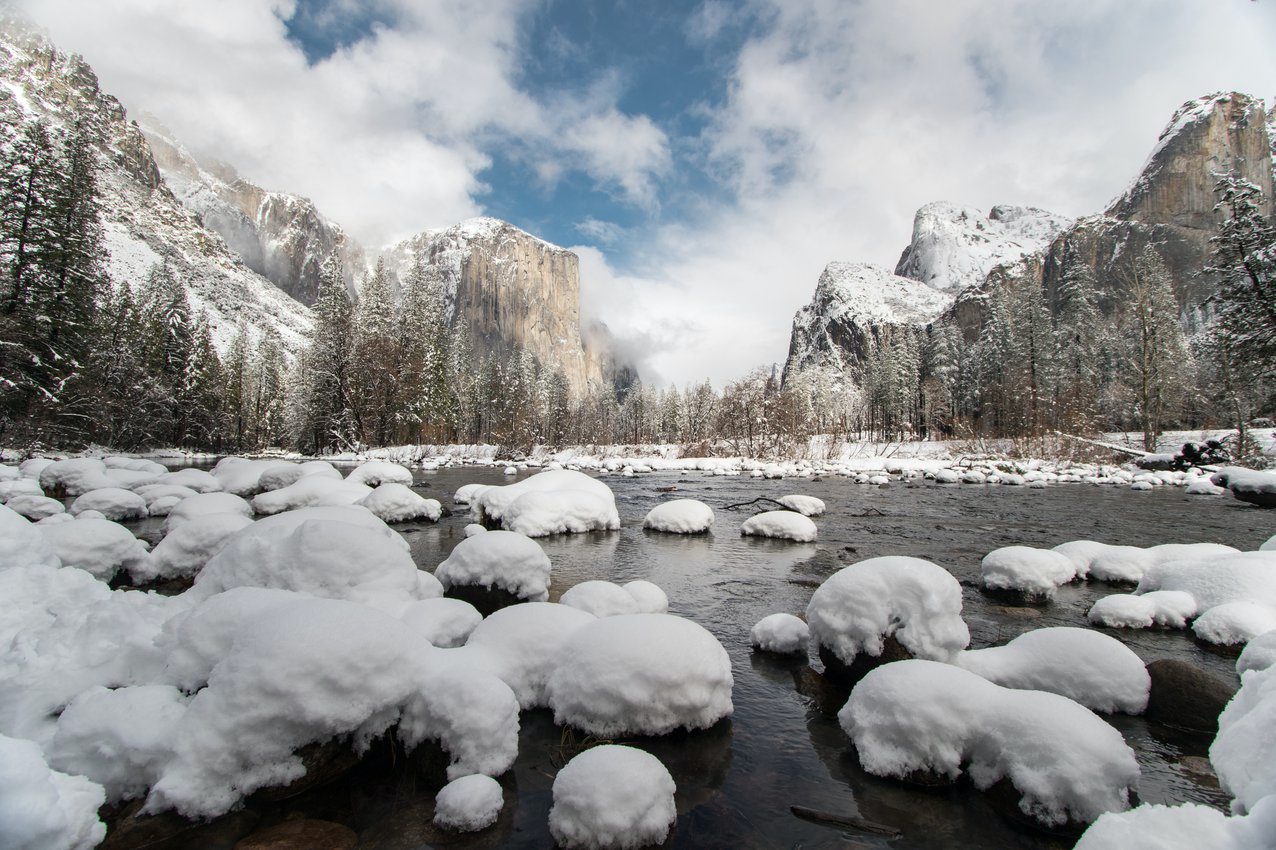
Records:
x=954, y=247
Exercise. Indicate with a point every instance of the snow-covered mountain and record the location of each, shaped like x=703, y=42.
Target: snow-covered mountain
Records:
x=143, y=221
x=954, y=247
x=280, y=236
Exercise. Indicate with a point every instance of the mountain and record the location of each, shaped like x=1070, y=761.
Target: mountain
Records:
x=143, y=220
x=282, y=237
x=965, y=255
x=512, y=290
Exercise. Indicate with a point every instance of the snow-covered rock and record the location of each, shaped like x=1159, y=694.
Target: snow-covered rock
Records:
x=472, y=713
x=781, y=633
x=199, y=480
x=114, y=503
x=44, y=809
x=569, y=501
x=241, y=476
x=19, y=487
x=523, y=646
x=1089, y=667
x=469, y=804
x=1189, y=826
x=205, y=504
x=503, y=560
x=376, y=472
x=680, y=516
x=783, y=525
x=1258, y=654
x=35, y=508
x=311, y=491
x=805, y=505
x=650, y=598
x=612, y=796
x=98, y=546
x=1249, y=485
x=187, y=548
x=641, y=674
x=923, y=716
x=443, y=622
x=162, y=498
x=1033, y=572
x=278, y=477
x=600, y=598
x=75, y=476
x=1241, y=584
x=24, y=544
x=1170, y=608
x=395, y=502
x=910, y=599
x=1244, y=752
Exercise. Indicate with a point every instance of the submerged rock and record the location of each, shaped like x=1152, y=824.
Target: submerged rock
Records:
x=1186, y=698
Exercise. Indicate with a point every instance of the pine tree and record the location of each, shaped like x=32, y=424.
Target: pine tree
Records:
x=375, y=370
x=329, y=411
x=1156, y=354
x=1244, y=258
x=1079, y=339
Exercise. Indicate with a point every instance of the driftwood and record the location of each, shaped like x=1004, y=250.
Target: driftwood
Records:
x=778, y=506
x=868, y=512
x=847, y=821
x=1113, y=446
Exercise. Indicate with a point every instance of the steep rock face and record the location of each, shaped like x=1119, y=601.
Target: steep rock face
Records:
x=513, y=290
x=954, y=247
x=282, y=237
x=143, y=222
x=856, y=307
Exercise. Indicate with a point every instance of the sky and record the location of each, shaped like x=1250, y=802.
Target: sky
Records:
x=705, y=160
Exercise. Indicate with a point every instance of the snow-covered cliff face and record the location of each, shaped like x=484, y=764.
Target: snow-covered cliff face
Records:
x=857, y=306
x=954, y=247
x=282, y=237
x=512, y=289
x=143, y=221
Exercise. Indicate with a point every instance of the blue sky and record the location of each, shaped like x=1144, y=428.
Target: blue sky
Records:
x=704, y=159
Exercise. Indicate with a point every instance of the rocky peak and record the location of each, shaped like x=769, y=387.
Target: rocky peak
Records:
x=1206, y=138
x=954, y=247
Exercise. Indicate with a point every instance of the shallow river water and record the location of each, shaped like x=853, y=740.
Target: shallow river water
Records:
x=783, y=746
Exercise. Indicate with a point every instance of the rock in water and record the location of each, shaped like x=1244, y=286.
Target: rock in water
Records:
x=1185, y=697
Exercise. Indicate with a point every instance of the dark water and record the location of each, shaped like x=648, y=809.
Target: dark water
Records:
x=783, y=746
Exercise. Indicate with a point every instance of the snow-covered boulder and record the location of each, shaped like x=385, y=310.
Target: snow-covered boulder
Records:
x=502, y=560
x=612, y=796
x=42, y=808
x=1202, y=486
x=24, y=544
x=782, y=633
x=1242, y=585
x=641, y=674
x=114, y=503
x=566, y=502
x=469, y=804
x=466, y=492
x=1249, y=485
x=925, y=717
x=19, y=487
x=187, y=548
x=377, y=472
x=395, y=502
x=947, y=476
x=1189, y=826
x=278, y=477
x=98, y=546
x=75, y=476
x=241, y=476
x=443, y=622
x=199, y=480
x=650, y=598
x=1244, y=752
x=909, y=599
x=1169, y=608
x=311, y=491
x=471, y=712
x=1234, y=622
x=522, y=645
x=205, y=504
x=1109, y=562
x=35, y=508
x=600, y=598
x=1032, y=572
x=680, y=516
x=805, y=505
x=134, y=464
x=1258, y=654
x=162, y=498
x=1089, y=667
x=783, y=525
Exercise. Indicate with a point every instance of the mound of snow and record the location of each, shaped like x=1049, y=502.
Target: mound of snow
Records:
x=114, y=503
x=311, y=491
x=35, y=508
x=277, y=477
x=471, y=712
x=781, y=633
x=395, y=502
x=805, y=505
x=241, y=476
x=97, y=546
x=42, y=808
x=498, y=559
x=569, y=501
x=650, y=598
x=784, y=525
x=600, y=598
x=680, y=516
x=923, y=716
x=469, y=804
x=187, y=548
x=641, y=674
x=1244, y=752
x=915, y=601
x=199, y=480
x=75, y=476
x=1170, y=608
x=1034, y=572
x=1258, y=654
x=1088, y=667
x=522, y=645
x=612, y=796
x=23, y=544
x=377, y=472
x=443, y=622
x=205, y=504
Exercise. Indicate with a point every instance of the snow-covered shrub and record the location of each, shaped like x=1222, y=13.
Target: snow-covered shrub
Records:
x=469, y=804
x=1033, y=572
x=42, y=808
x=781, y=633
x=395, y=502
x=680, y=516
x=923, y=716
x=1089, y=667
x=641, y=674
x=784, y=525
x=910, y=599
x=498, y=559
x=114, y=503
x=97, y=546
x=612, y=796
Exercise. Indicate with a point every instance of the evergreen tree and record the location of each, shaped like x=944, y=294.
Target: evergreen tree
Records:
x=1244, y=258
x=374, y=375
x=1079, y=336
x=329, y=417
x=1156, y=355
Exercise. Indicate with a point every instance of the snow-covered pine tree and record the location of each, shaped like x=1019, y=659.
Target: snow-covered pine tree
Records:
x=1156, y=354
x=376, y=368
x=327, y=414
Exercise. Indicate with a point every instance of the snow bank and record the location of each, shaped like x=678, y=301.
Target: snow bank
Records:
x=97, y=546
x=1089, y=667
x=680, y=516
x=612, y=796
x=785, y=525
x=469, y=804
x=923, y=716
x=42, y=809
x=805, y=505
x=443, y=622
x=600, y=598
x=23, y=544
x=915, y=601
x=523, y=646
x=641, y=674
x=498, y=559
x=114, y=503
x=781, y=633
x=394, y=502
x=1033, y=572
x=1169, y=608
x=311, y=491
